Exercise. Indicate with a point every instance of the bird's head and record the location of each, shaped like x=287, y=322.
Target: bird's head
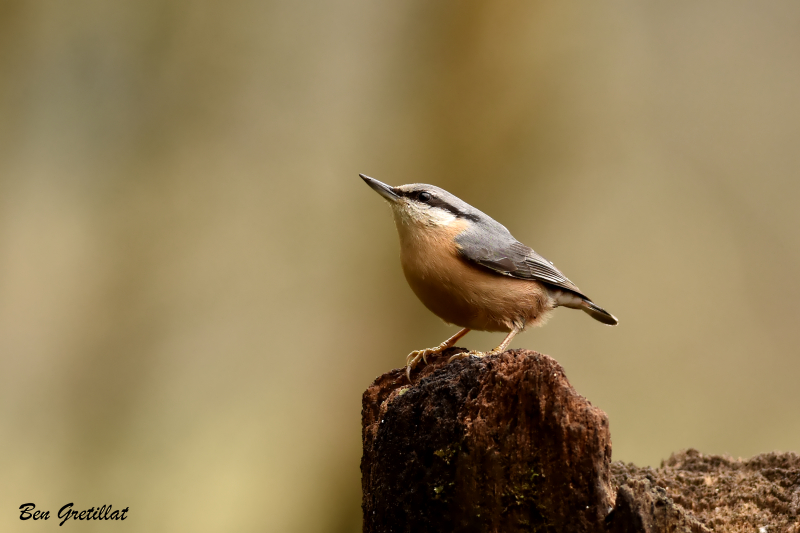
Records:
x=424, y=205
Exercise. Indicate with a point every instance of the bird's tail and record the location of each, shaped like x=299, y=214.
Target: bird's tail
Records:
x=598, y=313
x=576, y=300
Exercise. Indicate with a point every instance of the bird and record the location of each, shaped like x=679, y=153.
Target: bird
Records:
x=471, y=272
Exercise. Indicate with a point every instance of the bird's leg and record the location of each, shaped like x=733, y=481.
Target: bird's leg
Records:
x=506, y=341
x=499, y=349
x=413, y=358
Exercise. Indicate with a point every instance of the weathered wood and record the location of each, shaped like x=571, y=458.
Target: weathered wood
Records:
x=696, y=493
x=505, y=444
x=495, y=444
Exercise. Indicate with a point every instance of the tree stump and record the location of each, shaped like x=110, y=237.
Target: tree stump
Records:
x=505, y=444
x=495, y=444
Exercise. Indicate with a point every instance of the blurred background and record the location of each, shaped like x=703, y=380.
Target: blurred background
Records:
x=196, y=287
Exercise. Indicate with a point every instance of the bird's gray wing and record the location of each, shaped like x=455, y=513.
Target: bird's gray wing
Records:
x=507, y=256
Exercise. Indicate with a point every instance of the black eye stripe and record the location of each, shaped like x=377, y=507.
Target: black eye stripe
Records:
x=435, y=201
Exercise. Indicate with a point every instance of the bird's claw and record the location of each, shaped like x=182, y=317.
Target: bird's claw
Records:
x=414, y=357
x=472, y=353
x=464, y=355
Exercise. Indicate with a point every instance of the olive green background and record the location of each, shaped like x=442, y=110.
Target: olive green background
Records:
x=196, y=287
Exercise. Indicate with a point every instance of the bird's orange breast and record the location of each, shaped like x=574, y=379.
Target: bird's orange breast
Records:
x=462, y=293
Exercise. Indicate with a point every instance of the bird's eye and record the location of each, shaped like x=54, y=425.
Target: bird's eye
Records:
x=424, y=196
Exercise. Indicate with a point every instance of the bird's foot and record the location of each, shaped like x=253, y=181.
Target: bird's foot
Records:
x=416, y=356
x=464, y=355
x=473, y=353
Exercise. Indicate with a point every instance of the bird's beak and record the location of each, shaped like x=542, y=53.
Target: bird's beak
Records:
x=381, y=188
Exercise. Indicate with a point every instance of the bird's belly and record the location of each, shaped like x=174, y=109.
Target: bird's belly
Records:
x=470, y=297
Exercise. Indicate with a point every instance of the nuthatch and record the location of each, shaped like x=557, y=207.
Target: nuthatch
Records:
x=470, y=271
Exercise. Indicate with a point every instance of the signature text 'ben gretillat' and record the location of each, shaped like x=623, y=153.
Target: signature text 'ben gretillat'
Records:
x=66, y=512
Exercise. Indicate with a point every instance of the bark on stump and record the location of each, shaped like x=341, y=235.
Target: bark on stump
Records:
x=496, y=444
x=505, y=444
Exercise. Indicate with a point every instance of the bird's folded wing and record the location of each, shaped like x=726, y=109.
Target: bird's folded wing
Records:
x=512, y=258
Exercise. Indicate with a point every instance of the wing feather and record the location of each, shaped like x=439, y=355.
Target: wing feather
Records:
x=507, y=256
